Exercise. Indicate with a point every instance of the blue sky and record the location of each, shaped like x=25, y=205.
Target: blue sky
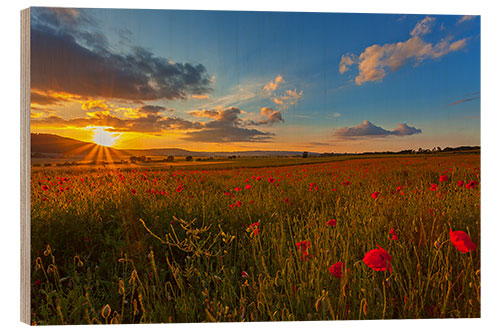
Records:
x=335, y=82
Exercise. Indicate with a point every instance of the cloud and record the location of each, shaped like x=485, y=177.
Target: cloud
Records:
x=346, y=61
x=402, y=18
x=269, y=116
x=149, y=123
x=95, y=105
x=289, y=98
x=270, y=87
x=366, y=128
x=213, y=114
x=152, y=109
x=45, y=99
x=79, y=62
x=466, y=18
x=423, y=27
x=200, y=96
x=336, y=115
x=375, y=60
x=272, y=116
x=226, y=127
x=404, y=129
x=472, y=97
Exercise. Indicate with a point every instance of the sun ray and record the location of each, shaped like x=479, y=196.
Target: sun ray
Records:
x=108, y=157
x=92, y=153
x=79, y=150
x=100, y=154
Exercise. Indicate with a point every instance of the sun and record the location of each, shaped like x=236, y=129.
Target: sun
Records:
x=103, y=137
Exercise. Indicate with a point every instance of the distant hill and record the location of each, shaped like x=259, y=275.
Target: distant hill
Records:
x=51, y=144
x=183, y=152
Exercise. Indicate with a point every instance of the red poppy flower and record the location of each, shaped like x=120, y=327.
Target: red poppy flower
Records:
x=248, y=186
x=470, y=185
x=237, y=189
x=254, y=227
x=303, y=246
x=443, y=178
x=45, y=187
x=462, y=241
x=460, y=183
x=399, y=188
x=375, y=195
x=392, y=235
x=378, y=259
x=332, y=222
x=336, y=269
x=433, y=187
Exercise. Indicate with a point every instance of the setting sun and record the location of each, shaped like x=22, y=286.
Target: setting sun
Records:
x=103, y=137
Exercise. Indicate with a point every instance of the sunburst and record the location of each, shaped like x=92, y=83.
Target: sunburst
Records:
x=102, y=137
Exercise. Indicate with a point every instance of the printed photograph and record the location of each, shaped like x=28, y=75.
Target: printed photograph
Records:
x=192, y=166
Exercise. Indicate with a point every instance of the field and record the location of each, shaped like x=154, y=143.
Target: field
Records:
x=371, y=238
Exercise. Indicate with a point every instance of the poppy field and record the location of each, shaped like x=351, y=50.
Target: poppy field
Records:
x=373, y=238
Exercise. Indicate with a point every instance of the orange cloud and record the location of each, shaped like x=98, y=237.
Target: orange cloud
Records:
x=270, y=87
x=200, y=96
x=95, y=105
x=374, y=61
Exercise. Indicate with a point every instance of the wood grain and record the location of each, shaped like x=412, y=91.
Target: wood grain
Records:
x=25, y=167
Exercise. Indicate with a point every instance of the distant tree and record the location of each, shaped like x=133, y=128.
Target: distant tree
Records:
x=170, y=158
x=189, y=158
x=234, y=157
x=305, y=154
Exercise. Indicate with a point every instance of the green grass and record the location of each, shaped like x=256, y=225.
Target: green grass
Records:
x=143, y=246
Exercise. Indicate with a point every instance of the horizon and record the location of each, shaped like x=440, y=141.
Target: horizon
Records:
x=257, y=150
x=213, y=81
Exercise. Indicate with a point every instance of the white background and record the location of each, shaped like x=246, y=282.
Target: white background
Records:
x=490, y=168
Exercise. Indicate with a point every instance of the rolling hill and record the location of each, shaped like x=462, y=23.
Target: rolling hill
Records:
x=55, y=145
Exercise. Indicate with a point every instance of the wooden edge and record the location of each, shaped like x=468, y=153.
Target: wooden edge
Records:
x=25, y=167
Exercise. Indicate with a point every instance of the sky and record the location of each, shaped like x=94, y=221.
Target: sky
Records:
x=234, y=81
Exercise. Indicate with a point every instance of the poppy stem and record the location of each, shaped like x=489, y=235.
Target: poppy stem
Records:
x=385, y=298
